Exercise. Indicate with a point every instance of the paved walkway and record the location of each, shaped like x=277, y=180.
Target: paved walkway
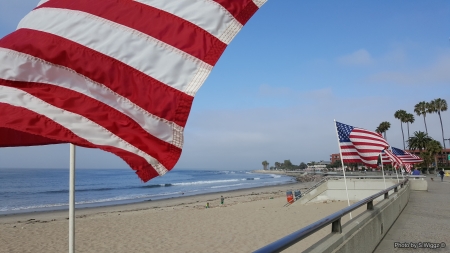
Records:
x=426, y=218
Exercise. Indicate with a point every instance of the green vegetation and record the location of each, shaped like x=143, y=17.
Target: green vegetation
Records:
x=286, y=165
x=401, y=115
x=383, y=127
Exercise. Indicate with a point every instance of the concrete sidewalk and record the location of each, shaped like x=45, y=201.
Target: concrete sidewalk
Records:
x=426, y=218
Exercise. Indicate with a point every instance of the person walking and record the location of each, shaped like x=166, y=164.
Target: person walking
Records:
x=222, y=199
x=441, y=173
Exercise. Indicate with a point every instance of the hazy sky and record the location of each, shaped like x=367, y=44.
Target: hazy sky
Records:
x=295, y=67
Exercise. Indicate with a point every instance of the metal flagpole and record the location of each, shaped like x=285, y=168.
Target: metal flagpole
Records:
x=343, y=168
x=398, y=180
x=382, y=170
x=72, y=200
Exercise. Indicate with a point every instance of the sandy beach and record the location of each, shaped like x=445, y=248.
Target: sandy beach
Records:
x=249, y=219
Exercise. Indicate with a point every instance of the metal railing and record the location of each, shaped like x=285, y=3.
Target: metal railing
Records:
x=333, y=219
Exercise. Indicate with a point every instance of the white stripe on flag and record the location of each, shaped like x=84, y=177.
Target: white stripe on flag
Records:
x=259, y=3
x=157, y=59
x=79, y=125
x=42, y=2
x=206, y=14
x=26, y=68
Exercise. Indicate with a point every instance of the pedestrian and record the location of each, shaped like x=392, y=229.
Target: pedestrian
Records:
x=222, y=199
x=207, y=204
x=442, y=174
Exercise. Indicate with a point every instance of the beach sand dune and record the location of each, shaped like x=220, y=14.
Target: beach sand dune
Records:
x=248, y=220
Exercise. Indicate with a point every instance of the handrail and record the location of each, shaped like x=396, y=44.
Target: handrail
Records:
x=333, y=219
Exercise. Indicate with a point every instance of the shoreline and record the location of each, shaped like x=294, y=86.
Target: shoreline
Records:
x=151, y=204
x=248, y=220
x=129, y=202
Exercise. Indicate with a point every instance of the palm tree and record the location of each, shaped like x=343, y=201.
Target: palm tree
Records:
x=409, y=119
x=419, y=141
x=383, y=127
x=401, y=115
x=265, y=164
x=437, y=106
x=433, y=148
x=422, y=109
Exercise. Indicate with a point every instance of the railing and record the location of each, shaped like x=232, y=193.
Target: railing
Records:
x=333, y=219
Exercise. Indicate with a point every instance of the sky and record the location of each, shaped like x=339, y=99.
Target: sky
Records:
x=294, y=68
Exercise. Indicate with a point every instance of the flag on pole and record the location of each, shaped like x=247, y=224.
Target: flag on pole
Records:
x=397, y=163
x=116, y=75
x=405, y=157
x=359, y=145
x=408, y=167
x=385, y=158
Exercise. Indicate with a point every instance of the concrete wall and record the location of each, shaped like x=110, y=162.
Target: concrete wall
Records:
x=313, y=194
x=364, y=232
x=358, y=189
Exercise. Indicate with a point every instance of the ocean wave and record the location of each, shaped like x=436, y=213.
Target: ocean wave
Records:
x=223, y=186
x=206, y=182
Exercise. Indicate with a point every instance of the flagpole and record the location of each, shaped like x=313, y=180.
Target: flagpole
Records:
x=72, y=200
x=382, y=170
x=398, y=180
x=343, y=168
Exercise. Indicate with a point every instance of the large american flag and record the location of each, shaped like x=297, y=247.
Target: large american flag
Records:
x=359, y=145
x=405, y=157
x=116, y=75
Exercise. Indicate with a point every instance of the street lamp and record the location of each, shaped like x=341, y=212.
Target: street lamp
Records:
x=445, y=151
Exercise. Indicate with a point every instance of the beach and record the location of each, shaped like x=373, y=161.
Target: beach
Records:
x=248, y=220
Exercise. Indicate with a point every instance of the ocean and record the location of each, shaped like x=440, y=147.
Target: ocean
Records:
x=29, y=190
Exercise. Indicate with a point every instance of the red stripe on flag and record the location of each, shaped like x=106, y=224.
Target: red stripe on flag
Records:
x=164, y=26
x=105, y=116
x=153, y=96
x=31, y=122
x=242, y=11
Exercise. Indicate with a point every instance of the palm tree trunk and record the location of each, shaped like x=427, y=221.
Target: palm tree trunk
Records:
x=426, y=130
x=403, y=135
x=443, y=139
x=407, y=124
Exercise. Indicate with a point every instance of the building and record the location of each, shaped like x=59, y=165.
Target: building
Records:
x=441, y=158
x=317, y=165
x=335, y=157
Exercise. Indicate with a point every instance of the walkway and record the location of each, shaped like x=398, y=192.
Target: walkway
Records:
x=426, y=218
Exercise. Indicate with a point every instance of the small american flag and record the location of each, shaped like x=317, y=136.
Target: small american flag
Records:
x=359, y=145
x=405, y=157
x=396, y=162
x=120, y=76
x=408, y=167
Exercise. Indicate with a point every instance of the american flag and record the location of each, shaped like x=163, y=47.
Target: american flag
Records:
x=405, y=157
x=408, y=167
x=385, y=158
x=396, y=162
x=360, y=145
x=116, y=75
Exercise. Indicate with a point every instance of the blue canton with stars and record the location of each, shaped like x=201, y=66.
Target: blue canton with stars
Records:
x=397, y=151
x=344, y=132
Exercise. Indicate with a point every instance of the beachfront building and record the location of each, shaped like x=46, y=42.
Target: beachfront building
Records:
x=442, y=158
x=334, y=158
x=317, y=166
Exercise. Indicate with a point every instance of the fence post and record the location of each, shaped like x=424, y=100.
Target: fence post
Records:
x=370, y=205
x=336, y=226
